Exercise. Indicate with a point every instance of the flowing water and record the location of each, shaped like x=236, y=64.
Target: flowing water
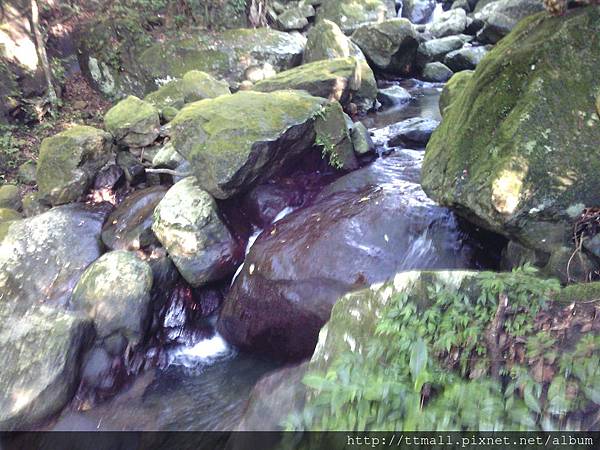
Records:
x=206, y=383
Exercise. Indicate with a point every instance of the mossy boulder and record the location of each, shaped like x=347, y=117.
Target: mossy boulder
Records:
x=187, y=223
x=391, y=46
x=10, y=197
x=195, y=85
x=343, y=79
x=114, y=291
x=234, y=142
x=69, y=161
x=26, y=172
x=327, y=41
x=8, y=215
x=351, y=14
x=224, y=55
x=42, y=257
x=453, y=87
x=517, y=151
x=133, y=122
x=41, y=353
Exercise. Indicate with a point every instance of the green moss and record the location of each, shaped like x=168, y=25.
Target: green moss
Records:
x=257, y=116
x=453, y=87
x=518, y=144
x=341, y=79
x=224, y=55
x=7, y=215
x=68, y=161
x=133, y=122
x=218, y=135
x=579, y=292
x=326, y=41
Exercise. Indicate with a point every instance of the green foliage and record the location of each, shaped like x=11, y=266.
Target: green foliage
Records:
x=427, y=366
x=328, y=151
x=9, y=149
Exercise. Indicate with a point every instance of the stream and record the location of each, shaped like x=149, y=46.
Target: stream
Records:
x=206, y=383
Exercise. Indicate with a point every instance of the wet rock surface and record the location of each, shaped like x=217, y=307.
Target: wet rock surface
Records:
x=129, y=226
x=361, y=229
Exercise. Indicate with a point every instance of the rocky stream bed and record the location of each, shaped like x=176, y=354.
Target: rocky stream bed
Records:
x=391, y=209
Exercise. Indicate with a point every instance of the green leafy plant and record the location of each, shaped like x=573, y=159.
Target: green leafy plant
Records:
x=428, y=366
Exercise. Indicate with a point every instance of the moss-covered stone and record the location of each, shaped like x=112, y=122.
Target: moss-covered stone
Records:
x=26, y=172
x=453, y=87
x=194, y=86
x=351, y=14
x=342, y=79
x=326, y=41
x=10, y=197
x=133, y=122
x=8, y=215
x=68, y=162
x=187, y=223
x=235, y=141
x=41, y=353
x=390, y=46
x=224, y=55
x=114, y=291
x=517, y=151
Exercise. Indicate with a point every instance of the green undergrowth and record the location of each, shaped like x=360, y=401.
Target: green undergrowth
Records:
x=428, y=363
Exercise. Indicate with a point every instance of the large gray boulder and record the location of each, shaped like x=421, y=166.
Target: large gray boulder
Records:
x=114, y=291
x=187, y=223
x=465, y=58
x=41, y=353
x=69, y=161
x=436, y=49
x=390, y=46
x=237, y=141
x=43, y=257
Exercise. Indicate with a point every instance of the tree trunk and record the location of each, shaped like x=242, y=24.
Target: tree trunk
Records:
x=256, y=11
x=40, y=46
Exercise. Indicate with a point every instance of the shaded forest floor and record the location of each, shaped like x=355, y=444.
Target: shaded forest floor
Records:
x=19, y=143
